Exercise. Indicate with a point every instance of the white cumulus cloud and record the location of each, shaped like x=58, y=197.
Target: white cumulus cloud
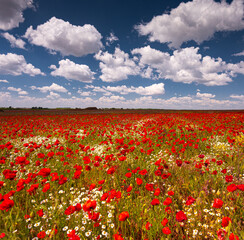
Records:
x=14, y=42
x=239, y=54
x=14, y=64
x=58, y=35
x=18, y=90
x=85, y=93
x=239, y=97
x=52, y=88
x=111, y=99
x=4, y=81
x=11, y=13
x=154, y=89
x=116, y=67
x=98, y=89
x=73, y=71
x=187, y=66
x=205, y=95
x=196, y=20
x=111, y=38
x=236, y=68
x=5, y=97
x=119, y=89
x=53, y=95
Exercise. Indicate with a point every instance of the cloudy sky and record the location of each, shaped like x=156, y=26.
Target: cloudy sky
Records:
x=133, y=54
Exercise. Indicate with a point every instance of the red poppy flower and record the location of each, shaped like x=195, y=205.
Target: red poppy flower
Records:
x=89, y=204
x=167, y=201
x=69, y=210
x=179, y=163
x=164, y=222
x=40, y=212
x=224, y=171
x=240, y=187
x=143, y=172
x=155, y=201
x=87, y=168
x=46, y=187
x=92, y=186
x=168, y=210
x=123, y=216
x=44, y=172
x=118, y=237
x=20, y=184
x=157, y=173
x=148, y=226
x=139, y=181
x=6, y=205
x=123, y=158
x=157, y=192
x=218, y=203
x=21, y=161
x=190, y=200
x=231, y=188
x=165, y=176
x=73, y=236
x=233, y=237
x=104, y=197
x=38, y=163
x=166, y=230
x=41, y=234
x=41, y=155
x=78, y=207
x=171, y=193
x=225, y=221
x=128, y=175
x=2, y=235
x=94, y=216
x=181, y=216
x=129, y=189
x=32, y=188
x=77, y=174
x=111, y=170
x=149, y=187
x=101, y=182
x=62, y=180
x=228, y=178
x=221, y=233
x=220, y=162
x=9, y=174
x=55, y=176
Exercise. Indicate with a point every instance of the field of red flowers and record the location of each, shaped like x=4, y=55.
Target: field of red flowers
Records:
x=122, y=176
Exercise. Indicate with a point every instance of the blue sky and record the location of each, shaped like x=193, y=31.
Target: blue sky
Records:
x=123, y=54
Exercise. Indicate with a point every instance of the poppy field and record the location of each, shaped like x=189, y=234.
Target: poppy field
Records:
x=122, y=176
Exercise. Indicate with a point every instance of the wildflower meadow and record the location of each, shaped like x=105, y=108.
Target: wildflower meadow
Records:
x=122, y=176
